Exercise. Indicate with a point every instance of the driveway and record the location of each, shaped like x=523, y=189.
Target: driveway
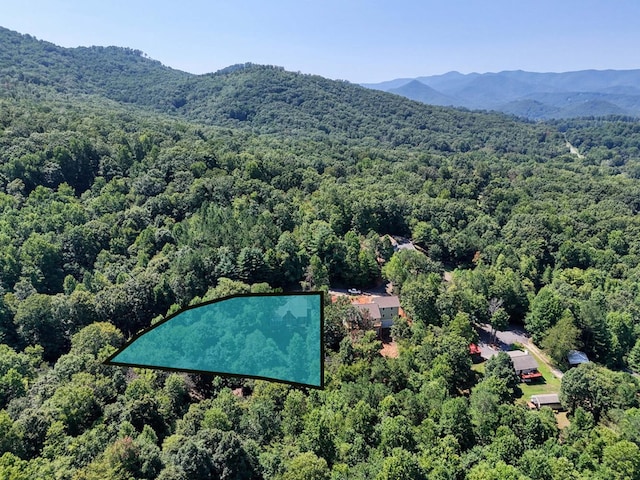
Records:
x=515, y=334
x=383, y=289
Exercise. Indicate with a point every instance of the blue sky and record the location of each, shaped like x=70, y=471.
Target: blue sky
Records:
x=355, y=40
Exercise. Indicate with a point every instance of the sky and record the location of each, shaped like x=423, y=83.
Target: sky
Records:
x=356, y=40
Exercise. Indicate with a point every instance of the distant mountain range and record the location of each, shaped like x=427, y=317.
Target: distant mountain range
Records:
x=249, y=94
x=531, y=95
x=258, y=98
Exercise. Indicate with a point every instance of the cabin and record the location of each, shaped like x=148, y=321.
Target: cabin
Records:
x=551, y=400
x=371, y=310
x=389, y=308
x=382, y=310
x=293, y=313
x=525, y=365
x=575, y=358
x=400, y=243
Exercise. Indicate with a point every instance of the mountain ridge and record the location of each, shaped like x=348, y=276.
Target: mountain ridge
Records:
x=418, y=91
x=503, y=91
x=263, y=99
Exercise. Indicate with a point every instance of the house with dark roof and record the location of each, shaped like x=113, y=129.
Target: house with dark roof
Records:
x=525, y=365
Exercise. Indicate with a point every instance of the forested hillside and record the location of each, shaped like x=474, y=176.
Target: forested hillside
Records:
x=124, y=197
x=263, y=99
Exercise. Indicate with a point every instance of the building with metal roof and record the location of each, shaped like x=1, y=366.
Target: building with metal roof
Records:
x=575, y=358
x=551, y=400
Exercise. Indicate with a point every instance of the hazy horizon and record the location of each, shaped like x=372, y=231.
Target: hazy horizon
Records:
x=354, y=41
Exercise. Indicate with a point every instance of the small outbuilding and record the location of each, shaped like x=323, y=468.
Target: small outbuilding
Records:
x=550, y=400
x=575, y=358
x=475, y=352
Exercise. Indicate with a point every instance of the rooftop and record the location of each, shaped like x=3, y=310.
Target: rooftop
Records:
x=295, y=305
x=387, y=302
x=371, y=308
x=576, y=357
x=524, y=362
x=517, y=353
x=545, y=399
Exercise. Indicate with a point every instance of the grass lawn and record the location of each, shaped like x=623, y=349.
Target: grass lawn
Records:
x=478, y=367
x=551, y=383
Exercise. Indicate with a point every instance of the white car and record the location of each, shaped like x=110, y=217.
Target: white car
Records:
x=354, y=291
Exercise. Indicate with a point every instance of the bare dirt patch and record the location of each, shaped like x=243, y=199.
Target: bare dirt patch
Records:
x=389, y=350
x=562, y=420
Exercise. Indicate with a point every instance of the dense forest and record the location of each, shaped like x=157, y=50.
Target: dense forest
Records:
x=129, y=190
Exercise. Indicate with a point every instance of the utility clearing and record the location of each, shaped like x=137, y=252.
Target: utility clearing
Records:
x=573, y=150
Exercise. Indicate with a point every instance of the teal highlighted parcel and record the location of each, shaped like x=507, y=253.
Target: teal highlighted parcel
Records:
x=268, y=336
